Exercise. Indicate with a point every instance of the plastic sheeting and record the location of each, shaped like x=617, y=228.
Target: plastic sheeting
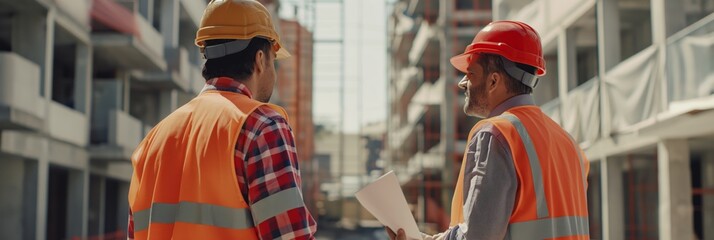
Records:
x=581, y=113
x=633, y=90
x=552, y=109
x=690, y=63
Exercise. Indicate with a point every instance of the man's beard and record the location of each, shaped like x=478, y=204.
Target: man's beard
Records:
x=478, y=103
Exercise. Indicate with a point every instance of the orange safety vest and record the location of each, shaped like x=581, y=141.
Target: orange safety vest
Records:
x=184, y=184
x=552, y=177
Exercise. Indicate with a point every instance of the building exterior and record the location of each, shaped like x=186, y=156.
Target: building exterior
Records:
x=79, y=91
x=427, y=129
x=294, y=93
x=340, y=175
x=294, y=85
x=81, y=83
x=629, y=79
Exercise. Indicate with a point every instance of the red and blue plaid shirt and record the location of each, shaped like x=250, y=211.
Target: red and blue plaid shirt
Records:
x=266, y=163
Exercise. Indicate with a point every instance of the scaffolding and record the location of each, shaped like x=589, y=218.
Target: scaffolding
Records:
x=441, y=127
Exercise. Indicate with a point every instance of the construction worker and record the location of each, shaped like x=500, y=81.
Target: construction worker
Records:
x=224, y=166
x=522, y=176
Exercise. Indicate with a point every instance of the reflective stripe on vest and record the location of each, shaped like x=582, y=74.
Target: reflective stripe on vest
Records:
x=197, y=213
x=175, y=193
x=541, y=204
x=544, y=210
x=277, y=203
x=219, y=216
x=559, y=227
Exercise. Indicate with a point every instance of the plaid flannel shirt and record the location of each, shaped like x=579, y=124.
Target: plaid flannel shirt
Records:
x=267, y=168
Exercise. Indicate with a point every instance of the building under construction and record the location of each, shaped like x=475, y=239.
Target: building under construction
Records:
x=427, y=127
x=294, y=93
x=81, y=83
x=631, y=80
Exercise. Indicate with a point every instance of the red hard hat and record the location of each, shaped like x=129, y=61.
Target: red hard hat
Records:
x=513, y=40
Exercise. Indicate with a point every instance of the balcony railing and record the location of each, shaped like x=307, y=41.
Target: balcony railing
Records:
x=20, y=90
x=581, y=116
x=149, y=35
x=132, y=42
x=78, y=10
x=197, y=80
x=124, y=130
x=178, y=62
x=194, y=10
x=633, y=90
x=68, y=124
x=552, y=109
x=690, y=61
x=543, y=15
x=407, y=80
x=424, y=36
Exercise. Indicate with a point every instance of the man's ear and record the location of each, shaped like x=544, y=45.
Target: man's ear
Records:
x=259, y=63
x=493, y=80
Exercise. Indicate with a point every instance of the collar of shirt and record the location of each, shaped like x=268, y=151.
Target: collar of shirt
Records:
x=227, y=84
x=516, y=101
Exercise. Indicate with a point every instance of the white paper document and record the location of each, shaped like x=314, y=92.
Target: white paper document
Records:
x=385, y=200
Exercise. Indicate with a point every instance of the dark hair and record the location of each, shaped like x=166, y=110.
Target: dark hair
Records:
x=238, y=66
x=493, y=63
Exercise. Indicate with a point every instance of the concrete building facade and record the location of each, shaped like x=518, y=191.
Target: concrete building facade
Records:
x=629, y=79
x=81, y=82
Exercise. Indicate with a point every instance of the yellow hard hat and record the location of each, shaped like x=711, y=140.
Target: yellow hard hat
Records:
x=241, y=20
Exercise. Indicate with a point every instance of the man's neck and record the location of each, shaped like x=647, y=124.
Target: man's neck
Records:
x=511, y=102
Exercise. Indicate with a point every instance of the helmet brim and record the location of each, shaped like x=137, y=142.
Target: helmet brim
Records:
x=461, y=62
x=282, y=53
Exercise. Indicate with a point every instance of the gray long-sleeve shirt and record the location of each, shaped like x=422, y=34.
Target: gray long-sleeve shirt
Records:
x=490, y=181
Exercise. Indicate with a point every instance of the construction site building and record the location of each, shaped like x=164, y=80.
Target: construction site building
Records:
x=81, y=83
x=630, y=80
x=427, y=129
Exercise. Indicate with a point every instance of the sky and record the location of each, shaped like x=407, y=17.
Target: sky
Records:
x=365, y=56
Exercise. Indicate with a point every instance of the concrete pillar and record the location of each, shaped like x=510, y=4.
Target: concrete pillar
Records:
x=567, y=73
x=103, y=204
x=123, y=205
x=608, y=38
x=29, y=33
x=96, y=205
x=125, y=79
x=447, y=105
x=708, y=199
x=613, y=207
x=77, y=207
x=29, y=198
x=168, y=102
x=49, y=54
x=146, y=9
x=83, y=79
x=500, y=9
x=11, y=204
x=43, y=173
x=675, y=190
x=567, y=67
x=668, y=16
x=170, y=23
x=608, y=27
